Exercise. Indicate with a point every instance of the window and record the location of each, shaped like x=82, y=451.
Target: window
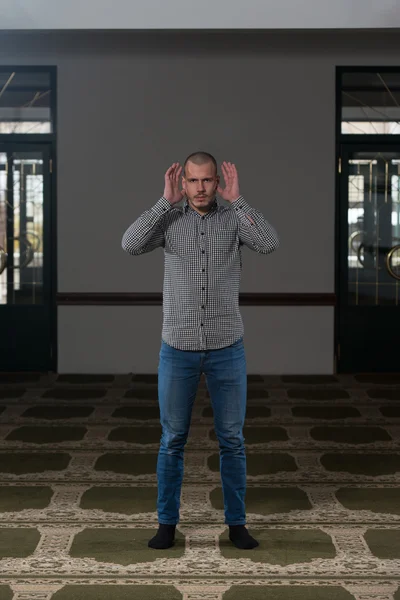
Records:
x=370, y=103
x=25, y=101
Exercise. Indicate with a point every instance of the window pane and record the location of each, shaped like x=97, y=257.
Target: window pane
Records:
x=370, y=103
x=21, y=228
x=25, y=100
x=373, y=217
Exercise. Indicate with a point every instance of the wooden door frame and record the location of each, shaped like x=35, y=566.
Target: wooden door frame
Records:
x=345, y=140
x=50, y=140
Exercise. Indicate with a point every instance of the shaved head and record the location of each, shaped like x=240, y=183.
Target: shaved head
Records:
x=200, y=158
x=200, y=181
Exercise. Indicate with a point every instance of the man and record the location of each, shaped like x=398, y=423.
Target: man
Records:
x=202, y=327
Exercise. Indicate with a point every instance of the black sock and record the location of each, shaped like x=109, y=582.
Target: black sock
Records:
x=164, y=537
x=239, y=535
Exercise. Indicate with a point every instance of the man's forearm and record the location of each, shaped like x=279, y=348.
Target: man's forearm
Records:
x=145, y=234
x=254, y=229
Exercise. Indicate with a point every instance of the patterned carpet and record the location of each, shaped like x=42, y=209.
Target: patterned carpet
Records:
x=78, y=492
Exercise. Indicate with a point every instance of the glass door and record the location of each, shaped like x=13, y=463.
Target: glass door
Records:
x=26, y=298
x=369, y=264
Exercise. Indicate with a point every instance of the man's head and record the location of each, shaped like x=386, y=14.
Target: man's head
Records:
x=200, y=180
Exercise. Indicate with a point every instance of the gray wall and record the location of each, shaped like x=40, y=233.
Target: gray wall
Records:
x=174, y=14
x=131, y=104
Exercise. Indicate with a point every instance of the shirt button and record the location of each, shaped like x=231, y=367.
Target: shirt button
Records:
x=202, y=251
x=202, y=306
x=201, y=324
x=202, y=233
x=203, y=288
x=203, y=270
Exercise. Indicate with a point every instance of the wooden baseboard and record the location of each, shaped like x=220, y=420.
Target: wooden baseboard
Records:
x=155, y=299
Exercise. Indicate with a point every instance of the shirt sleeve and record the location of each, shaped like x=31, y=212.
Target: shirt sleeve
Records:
x=254, y=230
x=147, y=232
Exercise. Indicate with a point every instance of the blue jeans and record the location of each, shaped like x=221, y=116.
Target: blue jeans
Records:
x=179, y=373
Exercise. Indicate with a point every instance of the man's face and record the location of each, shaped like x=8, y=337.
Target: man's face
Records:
x=200, y=183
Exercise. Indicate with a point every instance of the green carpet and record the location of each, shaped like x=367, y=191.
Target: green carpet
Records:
x=145, y=394
x=145, y=413
x=325, y=412
x=378, y=500
x=135, y=435
x=252, y=412
x=373, y=465
x=384, y=393
x=129, y=463
x=122, y=546
x=378, y=378
x=390, y=411
x=260, y=464
x=125, y=500
x=78, y=491
x=9, y=393
x=17, y=498
x=19, y=378
x=259, y=435
x=58, y=412
x=18, y=543
x=253, y=394
x=6, y=592
x=318, y=394
x=350, y=435
x=286, y=592
x=283, y=547
x=59, y=393
x=117, y=592
x=47, y=435
x=309, y=379
x=21, y=463
x=81, y=379
x=383, y=543
x=267, y=501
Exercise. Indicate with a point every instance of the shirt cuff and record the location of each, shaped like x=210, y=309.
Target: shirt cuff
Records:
x=161, y=207
x=241, y=207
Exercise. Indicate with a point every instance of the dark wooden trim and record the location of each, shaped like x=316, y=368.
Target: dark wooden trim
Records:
x=155, y=299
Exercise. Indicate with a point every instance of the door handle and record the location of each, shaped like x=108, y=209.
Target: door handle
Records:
x=389, y=258
x=30, y=253
x=3, y=259
x=36, y=240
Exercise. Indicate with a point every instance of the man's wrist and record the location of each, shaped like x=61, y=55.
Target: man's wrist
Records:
x=162, y=206
x=238, y=202
x=240, y=206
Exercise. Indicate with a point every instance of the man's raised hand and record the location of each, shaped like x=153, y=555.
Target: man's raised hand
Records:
x=231, y=190
x=172, y=192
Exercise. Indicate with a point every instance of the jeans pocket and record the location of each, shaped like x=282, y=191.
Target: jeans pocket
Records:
x=238, y=342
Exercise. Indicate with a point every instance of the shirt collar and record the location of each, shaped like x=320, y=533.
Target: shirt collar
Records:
x=213, y=209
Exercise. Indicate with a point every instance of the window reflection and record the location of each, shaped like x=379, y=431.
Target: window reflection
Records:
x=373, y=228
x=21, y=228
x=25, y=102
x=370, y=103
